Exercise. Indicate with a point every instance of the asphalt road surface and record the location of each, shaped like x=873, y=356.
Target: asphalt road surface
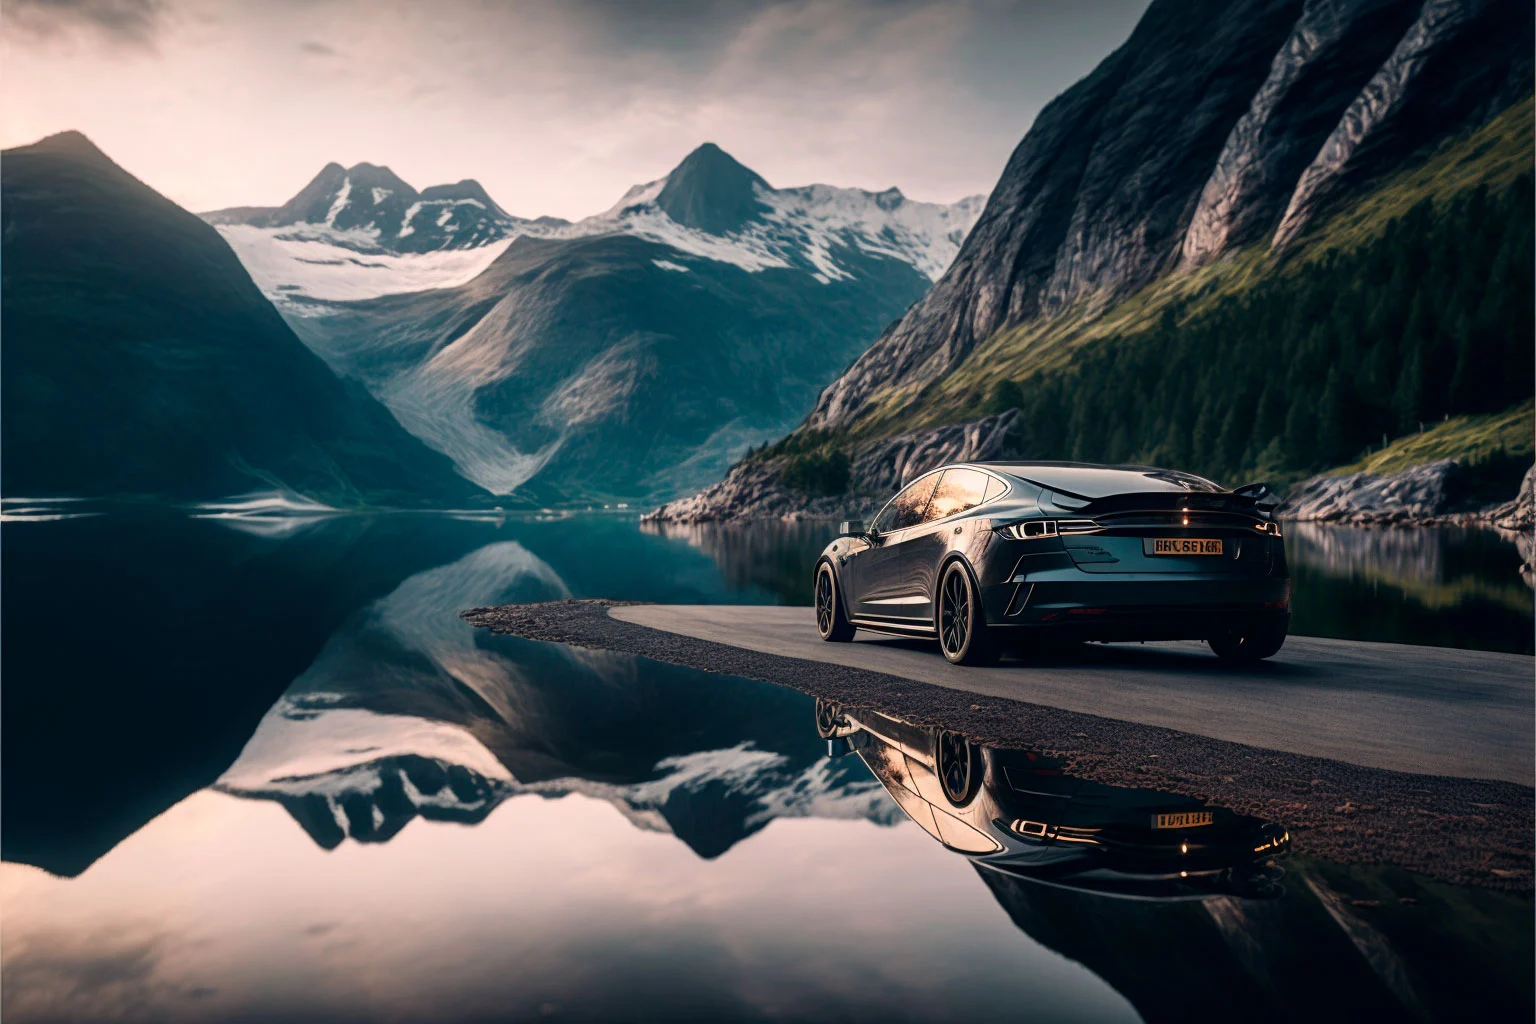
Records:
x=1464, y=714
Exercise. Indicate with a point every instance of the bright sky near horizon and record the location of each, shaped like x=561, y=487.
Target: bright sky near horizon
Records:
x=555, y=107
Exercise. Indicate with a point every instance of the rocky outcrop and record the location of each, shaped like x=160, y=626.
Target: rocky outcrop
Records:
x=1519, y=514
x=1431, y=493
x=1413, y=495
x=754, y=488
x=1213, y=126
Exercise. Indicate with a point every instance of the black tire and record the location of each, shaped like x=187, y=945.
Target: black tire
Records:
x=831, y=621
x=964, y=637
x=1247, y=647
x=957, y=762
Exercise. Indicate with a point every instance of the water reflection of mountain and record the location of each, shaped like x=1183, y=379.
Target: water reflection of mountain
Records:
x=408, y=711
x=142, y=648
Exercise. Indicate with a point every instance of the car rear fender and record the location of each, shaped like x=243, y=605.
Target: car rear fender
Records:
x=938, y=580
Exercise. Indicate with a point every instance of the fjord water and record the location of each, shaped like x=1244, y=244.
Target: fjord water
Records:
x=261, y=770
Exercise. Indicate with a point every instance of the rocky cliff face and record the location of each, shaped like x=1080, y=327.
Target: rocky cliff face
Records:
x=1214, y=126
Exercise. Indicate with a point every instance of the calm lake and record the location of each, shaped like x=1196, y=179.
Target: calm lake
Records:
x=260, y=770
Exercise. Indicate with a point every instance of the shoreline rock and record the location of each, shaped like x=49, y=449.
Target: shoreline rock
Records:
x=1426, y=495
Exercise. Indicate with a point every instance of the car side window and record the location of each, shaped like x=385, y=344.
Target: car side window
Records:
x=906, y=509
x=958, y=490
x=995, y=489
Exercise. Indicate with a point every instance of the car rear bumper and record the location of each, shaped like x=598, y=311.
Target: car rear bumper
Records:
x=1138, y=606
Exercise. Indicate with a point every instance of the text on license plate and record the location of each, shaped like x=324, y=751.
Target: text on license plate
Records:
x=1181, y=819
x=1182, y=546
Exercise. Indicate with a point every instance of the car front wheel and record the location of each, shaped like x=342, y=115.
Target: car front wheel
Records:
x=964, y=636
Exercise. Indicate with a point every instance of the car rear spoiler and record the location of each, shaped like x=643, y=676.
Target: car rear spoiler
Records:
x=1159, y=501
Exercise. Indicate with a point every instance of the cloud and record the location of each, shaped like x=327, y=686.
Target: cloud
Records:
x=556, y=107
x=125, y=24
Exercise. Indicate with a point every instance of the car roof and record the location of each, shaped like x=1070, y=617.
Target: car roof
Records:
x=1089, y=480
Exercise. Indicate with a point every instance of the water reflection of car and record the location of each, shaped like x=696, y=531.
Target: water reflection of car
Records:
x=968, y=553
x=1017, y=811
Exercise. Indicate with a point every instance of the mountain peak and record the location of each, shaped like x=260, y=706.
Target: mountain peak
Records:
x=711, y=191
x=469, y=188
x=68, y=143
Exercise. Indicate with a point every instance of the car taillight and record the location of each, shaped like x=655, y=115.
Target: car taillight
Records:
x=1271, y=528
x=1036, y=529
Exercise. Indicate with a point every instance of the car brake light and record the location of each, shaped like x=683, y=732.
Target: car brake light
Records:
x=1036, y=529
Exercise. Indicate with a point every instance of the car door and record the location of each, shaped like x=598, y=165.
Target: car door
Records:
x=882, y=590
x=959, y=490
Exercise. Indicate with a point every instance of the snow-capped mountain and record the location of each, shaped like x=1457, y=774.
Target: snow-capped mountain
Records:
x=631, y=355
x=712, y=207
x=362, y=232
x=370, y=208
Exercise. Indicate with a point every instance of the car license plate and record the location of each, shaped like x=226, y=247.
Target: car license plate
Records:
x=1182, y=546
x=1182, y=819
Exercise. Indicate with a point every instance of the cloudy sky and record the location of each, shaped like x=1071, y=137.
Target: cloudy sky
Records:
x=555, y=107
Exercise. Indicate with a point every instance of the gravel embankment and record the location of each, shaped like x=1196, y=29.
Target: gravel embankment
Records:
x=1455, y=830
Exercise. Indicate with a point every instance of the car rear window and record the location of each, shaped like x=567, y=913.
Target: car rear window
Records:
x=958, y=490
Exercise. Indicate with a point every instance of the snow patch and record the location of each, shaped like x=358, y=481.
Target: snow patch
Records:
x=405, y=225
x=340, y=202
x=669, y=265
x=292, y=266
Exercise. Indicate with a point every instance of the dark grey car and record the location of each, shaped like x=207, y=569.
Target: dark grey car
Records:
x=970, y=552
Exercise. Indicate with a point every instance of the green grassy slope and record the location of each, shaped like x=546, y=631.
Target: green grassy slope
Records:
x=1469, y=439
x=1409, y=304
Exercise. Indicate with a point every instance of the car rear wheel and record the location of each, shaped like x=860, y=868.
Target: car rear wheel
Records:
x=831, y=621
x=963, y=634
x=829, y=718
x=958, y=764
x=1247, y=647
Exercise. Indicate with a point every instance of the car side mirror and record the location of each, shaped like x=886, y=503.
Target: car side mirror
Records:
x=851, y=528
x=1259, y=493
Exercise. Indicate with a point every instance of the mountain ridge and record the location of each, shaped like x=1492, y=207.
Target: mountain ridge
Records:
x=709, y=205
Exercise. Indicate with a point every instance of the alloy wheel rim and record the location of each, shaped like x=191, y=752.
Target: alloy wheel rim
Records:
x=824, y=602
x=826, y=717
x=954, y=766
x=954, y=614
